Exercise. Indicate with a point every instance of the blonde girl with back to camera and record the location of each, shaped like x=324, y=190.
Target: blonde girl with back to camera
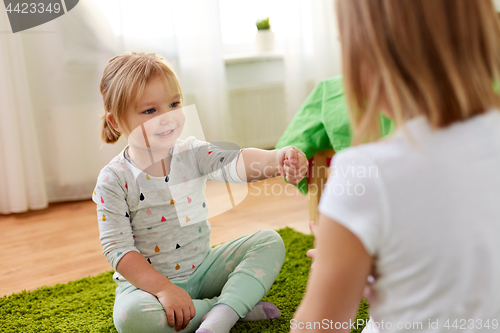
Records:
x=426, y=227
x=152, y=211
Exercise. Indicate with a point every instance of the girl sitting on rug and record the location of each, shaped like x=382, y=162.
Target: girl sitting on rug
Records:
x=152, y=211
x=423, y=217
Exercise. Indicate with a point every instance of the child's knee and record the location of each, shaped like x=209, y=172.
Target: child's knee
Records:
x=273, y=239
x=134, y=315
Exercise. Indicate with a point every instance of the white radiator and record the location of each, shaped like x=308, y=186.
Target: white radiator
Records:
x=256, y=98
x=258, y=114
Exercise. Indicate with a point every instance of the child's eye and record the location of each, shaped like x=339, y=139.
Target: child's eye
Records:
x=150, y=111
x=175, y=104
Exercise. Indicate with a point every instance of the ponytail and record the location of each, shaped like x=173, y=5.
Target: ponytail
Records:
x=108, y=133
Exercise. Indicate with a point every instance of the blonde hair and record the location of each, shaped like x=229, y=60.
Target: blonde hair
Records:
x=123, y=83
x=436, y=58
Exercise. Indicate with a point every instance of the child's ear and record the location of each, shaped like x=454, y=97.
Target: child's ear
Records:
x=113, y=121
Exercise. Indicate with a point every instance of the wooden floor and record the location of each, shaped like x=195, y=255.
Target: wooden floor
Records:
x=61, y=243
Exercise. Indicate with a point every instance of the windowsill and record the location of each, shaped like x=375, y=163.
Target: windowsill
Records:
x=251, y=57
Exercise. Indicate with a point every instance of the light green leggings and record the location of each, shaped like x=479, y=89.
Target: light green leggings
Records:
x=238, y=274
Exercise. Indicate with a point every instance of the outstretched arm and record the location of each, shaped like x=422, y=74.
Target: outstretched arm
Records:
x=336, y=281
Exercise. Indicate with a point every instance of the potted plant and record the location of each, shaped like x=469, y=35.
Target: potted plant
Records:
x=265, y=37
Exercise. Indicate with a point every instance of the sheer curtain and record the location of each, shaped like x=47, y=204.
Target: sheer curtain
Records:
x=49, y=109
x=312, y=50
x=22, y=185
x=201, y=65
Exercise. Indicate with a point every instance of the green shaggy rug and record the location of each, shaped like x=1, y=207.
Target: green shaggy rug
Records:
x=86, y=305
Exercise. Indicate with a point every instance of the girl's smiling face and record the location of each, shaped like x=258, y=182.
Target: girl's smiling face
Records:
x=158, y=120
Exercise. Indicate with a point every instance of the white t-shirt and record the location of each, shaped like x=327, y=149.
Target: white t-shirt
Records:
x=429, y=212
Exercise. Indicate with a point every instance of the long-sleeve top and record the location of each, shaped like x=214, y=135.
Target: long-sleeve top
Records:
x=163, y=218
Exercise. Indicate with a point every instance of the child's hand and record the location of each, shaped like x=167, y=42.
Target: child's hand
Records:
x=178, y=306
x=292, y=164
